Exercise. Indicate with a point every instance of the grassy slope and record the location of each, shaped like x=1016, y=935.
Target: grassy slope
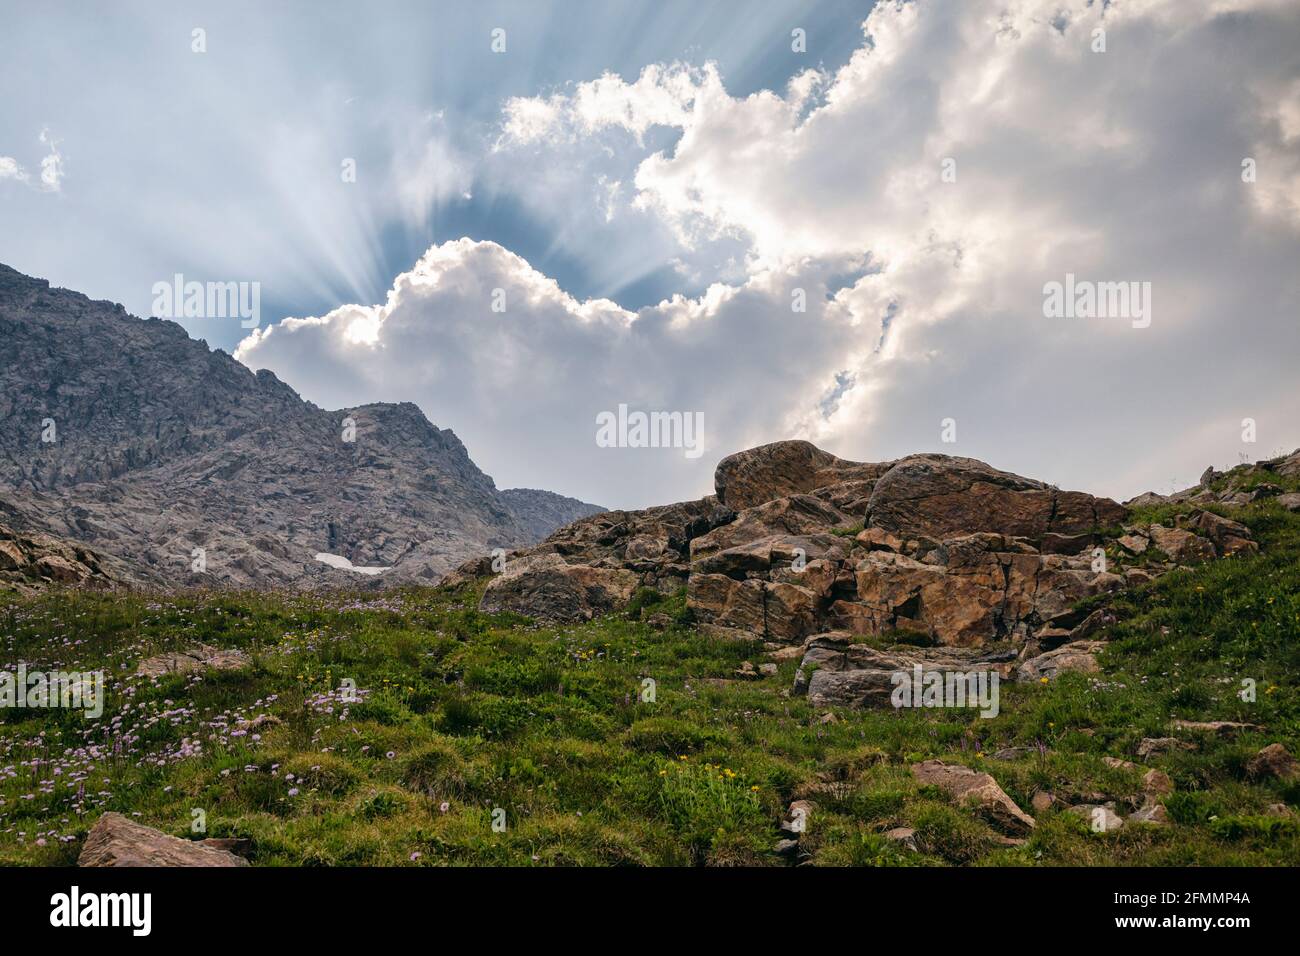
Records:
x=467, y=712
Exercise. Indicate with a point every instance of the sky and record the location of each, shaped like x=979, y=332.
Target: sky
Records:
x=828, y=221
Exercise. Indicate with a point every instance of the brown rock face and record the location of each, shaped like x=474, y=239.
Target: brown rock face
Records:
x=594, y=565
x=546, y=587
x=759, y=475
x=799, y=542
x=795, y=515
x=971, y=786
x=117, y=841
x=938, y=496
x=30, y=561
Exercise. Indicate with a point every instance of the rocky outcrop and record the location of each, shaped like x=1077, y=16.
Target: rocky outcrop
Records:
x=32, y=561
x=938, y=496
x=134, y=439
x=804, y=550
x=759, y=475
x=1240, y=485
x=116, y=841
x=595, y=565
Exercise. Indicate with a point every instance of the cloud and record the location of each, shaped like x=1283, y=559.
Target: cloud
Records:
x=51, y=164
x=50, y=179
x=523, y=387
x=924, y=296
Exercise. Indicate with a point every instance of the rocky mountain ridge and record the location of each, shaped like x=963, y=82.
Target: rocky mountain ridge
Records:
x=131, y=438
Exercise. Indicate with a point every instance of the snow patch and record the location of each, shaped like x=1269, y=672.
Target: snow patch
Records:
x=343, y=564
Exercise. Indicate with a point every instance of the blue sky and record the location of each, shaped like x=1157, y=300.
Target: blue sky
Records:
x=652, y=187
x=170, y=157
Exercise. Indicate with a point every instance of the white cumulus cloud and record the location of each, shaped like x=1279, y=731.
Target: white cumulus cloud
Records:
x=924, y=291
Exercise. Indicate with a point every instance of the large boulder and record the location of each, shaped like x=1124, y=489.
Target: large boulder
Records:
x=1078, y=656
x=968, y=591
x=794, y=515
x=940, y=496
x=783, y=468
x=116, y=841
x=836, y=672
x=721, y=601
x=548, y=588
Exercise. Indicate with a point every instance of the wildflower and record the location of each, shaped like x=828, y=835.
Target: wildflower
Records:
x=415, y=856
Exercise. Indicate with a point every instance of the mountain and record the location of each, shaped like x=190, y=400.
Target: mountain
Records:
x=129, y=436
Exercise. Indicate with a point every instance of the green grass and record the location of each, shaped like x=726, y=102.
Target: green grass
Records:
x=622, y=743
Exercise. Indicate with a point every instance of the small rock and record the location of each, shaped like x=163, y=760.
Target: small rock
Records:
x=1078, y=656
x=1182, y=546
x=1153, y=813
x=195, y=658
x=796, y=818
x=1154, y=746
x=1101, y=818
x=971, y=786
x=1011, y=753
x=1273, y=761
x=905, y=836
x=1042, y=801
x=1133, y=543
x=1156, y=782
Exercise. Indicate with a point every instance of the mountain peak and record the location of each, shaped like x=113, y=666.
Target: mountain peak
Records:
x=134, y=438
